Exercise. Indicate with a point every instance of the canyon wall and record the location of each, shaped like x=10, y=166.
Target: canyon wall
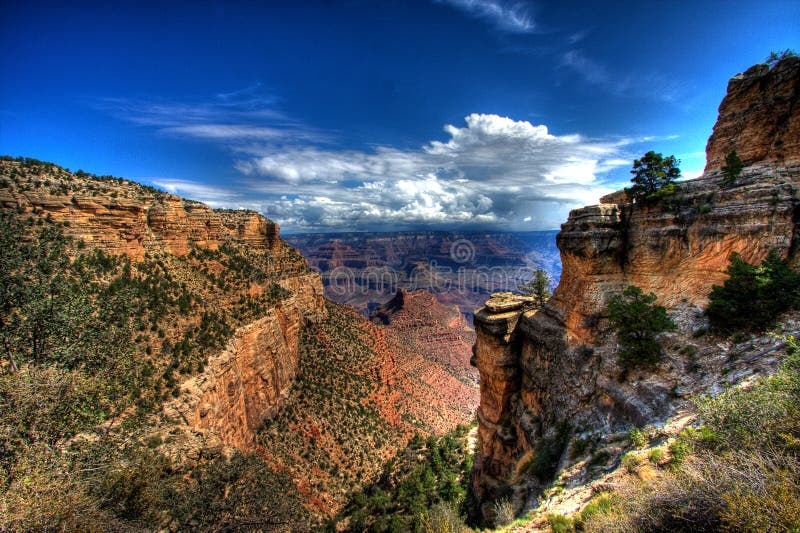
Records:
x=555, y=368
x=243, y=383
x=125, y=219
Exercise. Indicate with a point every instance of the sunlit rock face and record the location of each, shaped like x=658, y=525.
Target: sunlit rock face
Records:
x=758, y=117
x=542, y=369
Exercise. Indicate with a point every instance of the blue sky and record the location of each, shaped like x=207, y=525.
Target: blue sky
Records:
x=350, y=115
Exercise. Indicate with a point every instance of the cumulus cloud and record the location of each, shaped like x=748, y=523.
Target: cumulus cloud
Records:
x=511, y=17
x=491, y=171
x=488, y=172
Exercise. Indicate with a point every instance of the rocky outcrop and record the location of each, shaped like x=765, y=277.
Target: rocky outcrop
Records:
x=678, y=248
x=554, y=370
x=759, y=117
x=125, y=219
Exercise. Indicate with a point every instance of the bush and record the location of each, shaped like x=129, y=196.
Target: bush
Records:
x=631, y=461
x=638, y=322
x=443, y=518
x=753, y=297
x=638, y=438
x=601, y=504
x=733, y=167
x=503, y=511
x=656, y=456
x=559, y=523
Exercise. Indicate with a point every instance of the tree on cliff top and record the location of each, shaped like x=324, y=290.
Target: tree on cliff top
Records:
x=776, y=57
x=638, y=322
x=653, y=174
x=538, y=287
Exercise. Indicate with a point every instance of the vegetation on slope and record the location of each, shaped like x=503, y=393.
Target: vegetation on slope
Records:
x=330, y=429
x=76, y=326
x=351, y=409
x=737, y=472
x=422, y=489
x=753, y=296
x=91, y=345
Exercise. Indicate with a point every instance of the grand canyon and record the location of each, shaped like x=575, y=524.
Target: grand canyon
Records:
x=399, y=339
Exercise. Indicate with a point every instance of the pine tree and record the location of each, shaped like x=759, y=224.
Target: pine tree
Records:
x=638, y=322
x=538, y=287
x=651, y=174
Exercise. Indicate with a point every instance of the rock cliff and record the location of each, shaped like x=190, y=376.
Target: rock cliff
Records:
x=758, y=117
x=549, y=373
x=122, y=217
x=230, y=258
x=244, y=383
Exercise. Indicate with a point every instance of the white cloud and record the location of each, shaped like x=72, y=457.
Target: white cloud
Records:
x=491, y=171
x=512, y=17
x=647, y=85
x=236, y=117
x=225, y=131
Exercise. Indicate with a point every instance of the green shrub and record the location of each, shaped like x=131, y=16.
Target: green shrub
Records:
x=601, y=504
x=637, y=438
x=638, y=322
x=752, y=297
x=631, y=461
x=656, y=456
x=559, y=523
x=678, y=450
x=733, y=167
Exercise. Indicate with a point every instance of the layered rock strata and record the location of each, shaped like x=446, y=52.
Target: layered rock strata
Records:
x=129, y=224
x=244, y=383
x=758, y=117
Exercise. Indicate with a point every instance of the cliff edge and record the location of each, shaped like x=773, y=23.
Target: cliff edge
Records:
x=551, y=374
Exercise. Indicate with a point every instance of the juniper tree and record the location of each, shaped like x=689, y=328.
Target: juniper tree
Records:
x=638, y=322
